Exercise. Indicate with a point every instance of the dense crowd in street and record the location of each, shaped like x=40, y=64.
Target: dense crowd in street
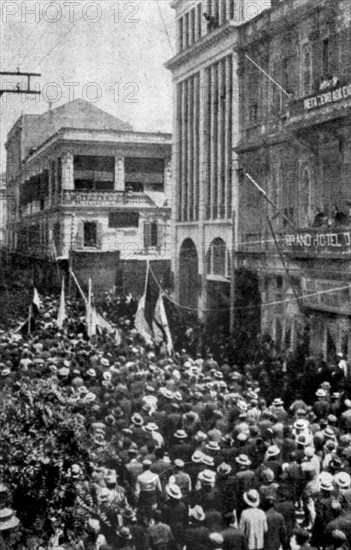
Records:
x=118, y=446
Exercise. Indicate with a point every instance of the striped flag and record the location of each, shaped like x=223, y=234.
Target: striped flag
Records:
x=160, y=325
x=140, y=322
x=61, y=315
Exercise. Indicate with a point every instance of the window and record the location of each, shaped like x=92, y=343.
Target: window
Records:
x=325, y=58
x=59, y=175
x=199, y=21
x=276, y=92
x=94, y=173
x=305, y=197
x=123, y=219
x=151, y=239
x=186, y=30
x=306, y=69
x=192, y=25
x=90, y=234
x=180, y=34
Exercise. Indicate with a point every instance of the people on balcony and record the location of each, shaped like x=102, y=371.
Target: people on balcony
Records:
x=338, y=218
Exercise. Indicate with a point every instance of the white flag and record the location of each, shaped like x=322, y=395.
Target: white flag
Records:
x=36, y=299
x=140, y=322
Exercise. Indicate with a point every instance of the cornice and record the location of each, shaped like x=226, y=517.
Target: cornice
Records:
x=206, y=42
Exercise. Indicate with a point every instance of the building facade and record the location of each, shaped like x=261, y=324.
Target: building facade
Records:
x=206, y=123
x=295, y=142
x=82, y=181
x=3, y=195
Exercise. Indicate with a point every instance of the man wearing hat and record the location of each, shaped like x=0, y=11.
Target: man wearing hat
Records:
x=181, y=448
x=196, y=535
x=253, y=521
x=175, y=513
x=181, y=478
x=207, y=495
x=310, y=469
x=321, y=407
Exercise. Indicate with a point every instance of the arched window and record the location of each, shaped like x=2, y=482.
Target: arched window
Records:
x=218, y=258
x=306, y=69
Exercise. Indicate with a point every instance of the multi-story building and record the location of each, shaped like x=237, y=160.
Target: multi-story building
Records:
x=2, y=209
x=295, y=142
x=206, y=122
x=81, y=180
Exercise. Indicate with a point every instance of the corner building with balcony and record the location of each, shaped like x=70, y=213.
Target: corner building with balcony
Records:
x=295, y=141
x=83, y=184
x=206, y=124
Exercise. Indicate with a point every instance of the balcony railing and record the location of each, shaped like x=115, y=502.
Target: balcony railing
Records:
x=109, y=198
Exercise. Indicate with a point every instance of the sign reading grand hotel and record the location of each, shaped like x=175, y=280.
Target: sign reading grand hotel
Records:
x=343, y=92
x=318, y=242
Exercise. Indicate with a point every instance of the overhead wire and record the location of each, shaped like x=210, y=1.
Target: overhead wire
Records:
x=254, y=306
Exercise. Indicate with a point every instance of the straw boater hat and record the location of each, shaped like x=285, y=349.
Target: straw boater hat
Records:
x=278, y=402
x=342, y=480
x=272, y=451
x=197, y=457
x=197, y=513
x=243, y=460
x=212, y=446
x=321, y=393
x=207, y=476
x=224, y=468
x=207, y=460
x=124, y=533
x=252, y=498
x=326, y=481
x=137, y=419
x=180, y=434
x=8, y=520
x=174, y=491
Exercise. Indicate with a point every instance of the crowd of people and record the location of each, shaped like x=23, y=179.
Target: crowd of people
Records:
x=108, y=445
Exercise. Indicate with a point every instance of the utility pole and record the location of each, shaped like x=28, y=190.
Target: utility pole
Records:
x=18, y=90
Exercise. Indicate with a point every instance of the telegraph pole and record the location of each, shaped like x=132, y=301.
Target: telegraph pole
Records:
x=18, y=90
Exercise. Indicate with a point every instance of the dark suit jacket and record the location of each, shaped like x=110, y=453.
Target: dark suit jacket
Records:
x=276, y=534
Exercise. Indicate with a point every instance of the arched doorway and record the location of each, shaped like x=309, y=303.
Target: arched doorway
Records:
x=188, y=274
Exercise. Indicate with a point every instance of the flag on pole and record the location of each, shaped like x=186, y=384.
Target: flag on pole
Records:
x=141, y=324
x=143, y=316
x=160, y=325
x=90, y=314
x=36, y=302
x=61, y=316
x=102, y=323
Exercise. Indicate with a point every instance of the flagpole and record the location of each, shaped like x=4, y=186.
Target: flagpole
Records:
x=78, y=285
x=147, y=275
x=29, y=319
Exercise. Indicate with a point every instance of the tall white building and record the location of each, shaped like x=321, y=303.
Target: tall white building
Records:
x=206, y=127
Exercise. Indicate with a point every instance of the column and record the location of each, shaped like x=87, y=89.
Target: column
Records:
x=169, y=188
x=67, y=172
x=119, y=174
